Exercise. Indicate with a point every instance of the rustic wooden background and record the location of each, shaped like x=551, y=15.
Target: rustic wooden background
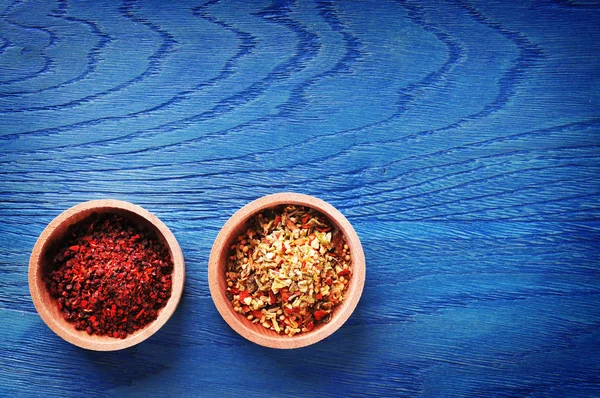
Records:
x=460, y=138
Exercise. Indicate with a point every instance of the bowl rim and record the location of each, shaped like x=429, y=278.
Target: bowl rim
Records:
x=81, y=338
x=236, y=322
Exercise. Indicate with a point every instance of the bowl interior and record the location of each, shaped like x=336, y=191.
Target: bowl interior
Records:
x=256, y=332
x=41, y=263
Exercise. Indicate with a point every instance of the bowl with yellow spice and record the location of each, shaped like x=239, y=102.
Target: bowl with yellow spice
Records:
x=286, y=270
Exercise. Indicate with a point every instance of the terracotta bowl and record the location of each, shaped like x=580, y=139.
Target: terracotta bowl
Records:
x=256, y=332
x=54, y=233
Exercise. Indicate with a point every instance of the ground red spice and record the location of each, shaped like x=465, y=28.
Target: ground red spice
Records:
x=109, y=277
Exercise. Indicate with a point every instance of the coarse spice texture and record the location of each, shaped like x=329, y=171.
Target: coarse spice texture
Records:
x=110, y=277
x=288, y=270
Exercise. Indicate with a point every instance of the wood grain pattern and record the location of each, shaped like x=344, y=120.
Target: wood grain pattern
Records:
x=460, y=138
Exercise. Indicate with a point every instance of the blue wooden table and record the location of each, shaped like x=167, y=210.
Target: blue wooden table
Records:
x=460, y=138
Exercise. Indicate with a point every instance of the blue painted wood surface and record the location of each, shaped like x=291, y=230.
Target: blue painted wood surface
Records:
x=461, y=139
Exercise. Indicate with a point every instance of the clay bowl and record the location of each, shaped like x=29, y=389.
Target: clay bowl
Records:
x=52, y=236
x=255, y=332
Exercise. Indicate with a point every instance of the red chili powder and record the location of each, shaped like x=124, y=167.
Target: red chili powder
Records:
x=110, y=277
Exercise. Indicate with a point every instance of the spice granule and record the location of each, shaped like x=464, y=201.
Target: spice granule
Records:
x=288, y=270
x=109, y=277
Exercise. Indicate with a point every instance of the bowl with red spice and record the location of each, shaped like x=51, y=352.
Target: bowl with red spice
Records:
x=286, y=271
x=106, y=274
